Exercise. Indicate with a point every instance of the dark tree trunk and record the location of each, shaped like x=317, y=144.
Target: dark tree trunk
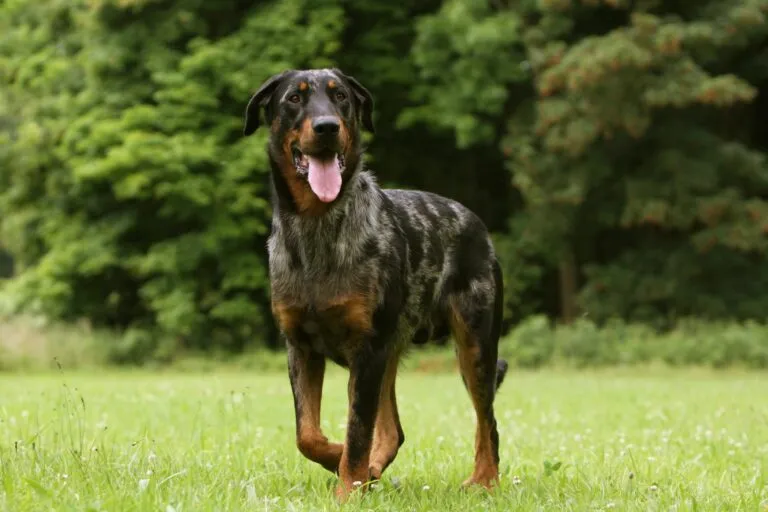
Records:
x=568, y=287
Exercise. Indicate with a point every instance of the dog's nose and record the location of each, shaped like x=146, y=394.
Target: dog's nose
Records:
x=326, y=125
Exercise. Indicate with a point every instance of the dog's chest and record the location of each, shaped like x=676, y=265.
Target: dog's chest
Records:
x=333, y=332
x=315, y=277
x=333, y=327
x=324, y=286
x=313, y=261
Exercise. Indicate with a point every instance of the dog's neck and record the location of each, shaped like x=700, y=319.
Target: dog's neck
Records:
x=339, y=234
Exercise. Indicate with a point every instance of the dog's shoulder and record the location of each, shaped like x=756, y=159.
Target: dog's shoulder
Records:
x=441, y=233
x=428, y=210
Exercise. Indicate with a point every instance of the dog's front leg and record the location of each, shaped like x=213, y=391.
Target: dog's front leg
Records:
x=306, y=370
x=365, y=381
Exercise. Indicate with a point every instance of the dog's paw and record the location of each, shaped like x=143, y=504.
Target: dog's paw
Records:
x=486, y=482
x=344, y=492
x=342, y=495
x=375, y=471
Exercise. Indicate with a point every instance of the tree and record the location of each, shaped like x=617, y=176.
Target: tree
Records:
x=376, y=44
x=630, y=182
x=615, y=148
x=132, y=198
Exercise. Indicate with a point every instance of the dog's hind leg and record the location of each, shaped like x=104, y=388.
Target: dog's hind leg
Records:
x=388, y=434
x=306, y=371
x=475, y=324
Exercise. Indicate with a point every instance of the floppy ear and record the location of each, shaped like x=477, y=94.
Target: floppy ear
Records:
x=261, y=99
x=364, y=102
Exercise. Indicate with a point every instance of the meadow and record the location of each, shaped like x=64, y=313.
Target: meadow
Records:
x=632, y=439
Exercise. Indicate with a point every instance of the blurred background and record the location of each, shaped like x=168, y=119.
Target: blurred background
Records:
x=616, y=149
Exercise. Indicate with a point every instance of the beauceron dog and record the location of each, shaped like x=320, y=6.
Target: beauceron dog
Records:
x=359, y=273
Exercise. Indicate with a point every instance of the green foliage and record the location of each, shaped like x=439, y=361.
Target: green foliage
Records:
x=627, y=137
x=130, y=197
x=6, y=264
x=630, y=146
x=154, y=208
x=469, y=53
x=536, y=343
x=531, y=344
x=29, y=343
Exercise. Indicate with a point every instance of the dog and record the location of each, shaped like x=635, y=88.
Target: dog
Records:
x=359, y=273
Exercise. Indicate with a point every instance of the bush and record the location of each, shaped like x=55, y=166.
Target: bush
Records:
x=719, y=345
x=635, y=342
x=535, y=343
x=585, y=345
x=33, y=343
x=128, y=194
x=531, y=344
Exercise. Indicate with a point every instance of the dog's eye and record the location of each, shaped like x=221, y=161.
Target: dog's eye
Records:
x=294, y=98
x=341, y=96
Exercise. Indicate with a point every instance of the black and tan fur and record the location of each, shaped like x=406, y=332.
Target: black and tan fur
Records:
x=360, y=279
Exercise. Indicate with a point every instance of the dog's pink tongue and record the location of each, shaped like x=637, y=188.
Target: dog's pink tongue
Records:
x=325, y=178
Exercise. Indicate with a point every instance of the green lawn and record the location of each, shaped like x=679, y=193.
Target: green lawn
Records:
x=626, y=441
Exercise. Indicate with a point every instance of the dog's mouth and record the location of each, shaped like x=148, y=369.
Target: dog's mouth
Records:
x=322, y=171
x=301, y=160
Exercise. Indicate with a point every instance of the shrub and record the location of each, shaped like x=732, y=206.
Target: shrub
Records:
x=535, y=343
x=28, y=342
x=583, y=344
x=531, y=344
x=33, y=343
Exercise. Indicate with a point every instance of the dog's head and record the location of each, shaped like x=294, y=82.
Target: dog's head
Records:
x=315, y=118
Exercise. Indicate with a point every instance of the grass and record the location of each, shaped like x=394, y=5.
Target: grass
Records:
x=621, y=440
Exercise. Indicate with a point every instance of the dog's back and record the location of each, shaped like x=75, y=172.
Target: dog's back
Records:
x=449, y=255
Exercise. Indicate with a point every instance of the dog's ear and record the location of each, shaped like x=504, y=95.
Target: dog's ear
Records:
x=364, y=102
x=261, y=98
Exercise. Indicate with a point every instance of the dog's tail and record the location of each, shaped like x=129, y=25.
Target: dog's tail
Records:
x=501, y=372
x=498, y=312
